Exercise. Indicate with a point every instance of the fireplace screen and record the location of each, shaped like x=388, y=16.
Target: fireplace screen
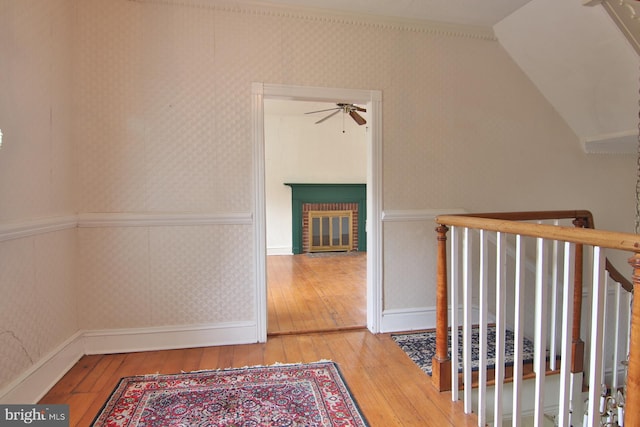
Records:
x=330, y=230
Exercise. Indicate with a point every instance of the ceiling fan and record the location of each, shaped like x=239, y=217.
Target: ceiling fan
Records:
x=350, y=109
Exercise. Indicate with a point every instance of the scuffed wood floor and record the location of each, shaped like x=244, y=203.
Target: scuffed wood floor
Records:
x=324, y=292
x=389, y=388
x=317, y=311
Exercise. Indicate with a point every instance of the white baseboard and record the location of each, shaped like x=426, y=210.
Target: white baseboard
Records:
x=167, y=338
x=32, y=385
x=29, y=387
x=408, y=319
x=280, y=251
x=413, y=319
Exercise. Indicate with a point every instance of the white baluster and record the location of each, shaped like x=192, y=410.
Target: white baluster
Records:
x=597, y=310
x=466, y=329
x=541, y=329
x=564, y=418
x=554, y=304
x=617, y=360
x=605, y=322
x=455, y=299
x=500, y=327
x=518, y=328
x=482, y=368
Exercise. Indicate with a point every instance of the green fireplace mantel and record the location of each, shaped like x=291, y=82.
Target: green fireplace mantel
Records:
x=327, y=193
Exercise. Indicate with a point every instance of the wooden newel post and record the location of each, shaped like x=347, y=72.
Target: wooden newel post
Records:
x=577, y=360
x=632, y=403
x=441, y=363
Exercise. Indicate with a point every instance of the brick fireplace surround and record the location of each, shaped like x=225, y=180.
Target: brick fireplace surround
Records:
x=307, y=197
x=306, y=207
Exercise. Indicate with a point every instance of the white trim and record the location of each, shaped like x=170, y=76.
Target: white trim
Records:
x=419, y=318
x=88, y=220
x=374, y=215
x=264, y=8
x=21, y=229
x=34, y=227
x=418, y=214
x=408, y=319
x=166, y=338
x=625, y=15
x=33, y=384
x=260, y=225
x=283, y=250
x=613, y=143
x=373, y=100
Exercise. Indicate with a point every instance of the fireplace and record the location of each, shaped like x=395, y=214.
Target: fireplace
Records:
x=329, y=227
x=328, y=217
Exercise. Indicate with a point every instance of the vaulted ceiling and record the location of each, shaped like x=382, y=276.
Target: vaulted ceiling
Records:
x=575, y=54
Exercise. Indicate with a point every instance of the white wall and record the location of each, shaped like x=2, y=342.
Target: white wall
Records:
x=299, y=151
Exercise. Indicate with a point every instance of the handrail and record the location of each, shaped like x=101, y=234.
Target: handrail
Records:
x=584, y=215
x=582, y=234
x=618, y=277
x=537, y=215
x=589, y=236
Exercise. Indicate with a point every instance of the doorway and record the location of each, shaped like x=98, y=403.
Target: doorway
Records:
x=315, y=188
x=372, y=101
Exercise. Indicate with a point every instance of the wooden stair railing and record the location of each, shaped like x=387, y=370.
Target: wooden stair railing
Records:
x=583, y=233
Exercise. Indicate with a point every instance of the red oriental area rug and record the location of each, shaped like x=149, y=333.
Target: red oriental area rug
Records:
x=280, y=395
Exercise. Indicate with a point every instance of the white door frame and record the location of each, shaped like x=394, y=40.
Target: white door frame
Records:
x=373, y=100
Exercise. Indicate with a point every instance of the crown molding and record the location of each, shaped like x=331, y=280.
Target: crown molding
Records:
x=268, y=9
x=626, y=15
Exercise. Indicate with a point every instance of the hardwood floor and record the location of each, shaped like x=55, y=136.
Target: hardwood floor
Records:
x=305, y=293
x=389, y=388
x=316, y=292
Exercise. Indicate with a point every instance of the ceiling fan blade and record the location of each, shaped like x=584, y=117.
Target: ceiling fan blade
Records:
x=355, y=107
x=329, y=116
x=321, y=111
x=357, y=117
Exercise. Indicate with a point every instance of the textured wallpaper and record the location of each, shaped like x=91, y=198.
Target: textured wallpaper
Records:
x=38, y=304
x=164, y=104
x=36, y=159
x=141, y=277
x=37, y=174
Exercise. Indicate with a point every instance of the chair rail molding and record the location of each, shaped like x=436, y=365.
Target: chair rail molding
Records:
x=33, y=227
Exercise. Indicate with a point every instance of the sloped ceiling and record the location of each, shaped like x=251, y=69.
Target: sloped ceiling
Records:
x=575, y=54
x=583, y=64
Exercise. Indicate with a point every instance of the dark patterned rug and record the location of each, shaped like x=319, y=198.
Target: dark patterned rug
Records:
x=280, y=395
x=421, y=347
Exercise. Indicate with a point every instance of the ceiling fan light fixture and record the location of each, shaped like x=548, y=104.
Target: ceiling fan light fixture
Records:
x=345, y=108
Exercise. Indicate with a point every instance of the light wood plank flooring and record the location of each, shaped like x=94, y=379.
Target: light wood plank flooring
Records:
x=316, y=292
x=389, y=388
x=305, y=293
